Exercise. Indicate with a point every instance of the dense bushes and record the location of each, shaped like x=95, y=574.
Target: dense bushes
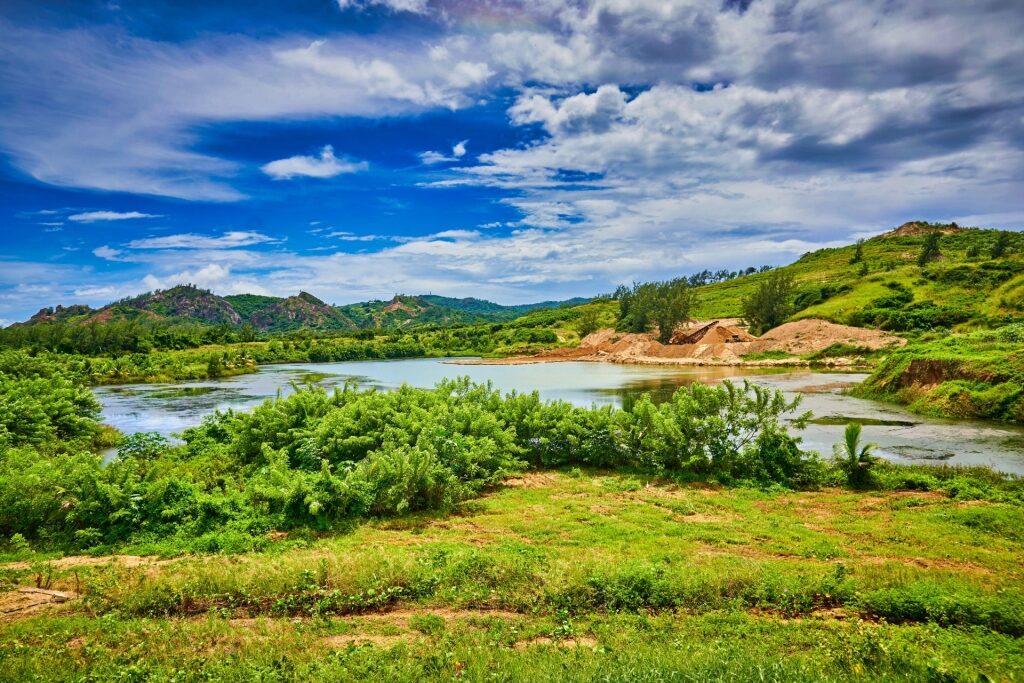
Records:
x=318, y=460
x=43, y=406
x=898, y=312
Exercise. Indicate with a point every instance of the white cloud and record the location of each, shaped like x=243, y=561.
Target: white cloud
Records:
x=108, y=253
x=112, y=112
x=346, y=236
x=105, y=292
x=414, y=6
x=95, y=216
x=213, y=276
x=326, y=165
x=458, y=151
x=229, y=240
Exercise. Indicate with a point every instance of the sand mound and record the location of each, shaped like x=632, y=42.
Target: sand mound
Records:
x=715, y=342
x=811, y=335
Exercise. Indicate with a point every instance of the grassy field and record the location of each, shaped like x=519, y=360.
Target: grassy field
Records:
x=578, y=575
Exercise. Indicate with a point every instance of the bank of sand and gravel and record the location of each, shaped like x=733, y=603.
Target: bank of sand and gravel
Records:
x=718, y=342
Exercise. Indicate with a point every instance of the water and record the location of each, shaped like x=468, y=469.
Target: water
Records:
x=900, y=435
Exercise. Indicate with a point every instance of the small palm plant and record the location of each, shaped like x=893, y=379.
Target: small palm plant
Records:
x=854, y=458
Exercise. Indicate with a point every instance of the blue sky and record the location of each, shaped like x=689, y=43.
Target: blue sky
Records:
x=515, y=151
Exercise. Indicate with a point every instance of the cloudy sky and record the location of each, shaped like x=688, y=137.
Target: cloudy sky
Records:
x=515, y=151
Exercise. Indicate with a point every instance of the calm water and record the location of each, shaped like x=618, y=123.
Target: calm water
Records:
x=905, y=437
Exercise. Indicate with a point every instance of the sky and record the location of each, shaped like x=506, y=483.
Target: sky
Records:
x=514, y=151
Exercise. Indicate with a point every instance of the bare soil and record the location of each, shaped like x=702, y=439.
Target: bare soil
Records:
x=717, y=342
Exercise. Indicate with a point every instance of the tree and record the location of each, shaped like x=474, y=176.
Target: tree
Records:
x=589, y=322
x=771, y=303
x=665, y=304
x=1001, y=244
x=930, y=250
x=858, y=254
x=854, y=458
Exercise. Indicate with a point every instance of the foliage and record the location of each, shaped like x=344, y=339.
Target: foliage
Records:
x=853, y=457
x=589, y=322
x=771, y=303
x=930, y=248
x=858, y=253
x=318, y=460
x=44, y=407
x=662, y=304
x=1000, y=246
x=976, y=375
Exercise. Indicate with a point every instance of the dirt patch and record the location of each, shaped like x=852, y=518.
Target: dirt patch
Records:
x=24, y=602
x=357, y=639
x=532, y=480
x=72, y=561
x=918, y=228
x=541, y=641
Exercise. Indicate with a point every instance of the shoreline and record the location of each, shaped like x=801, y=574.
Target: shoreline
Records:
x=843, y=363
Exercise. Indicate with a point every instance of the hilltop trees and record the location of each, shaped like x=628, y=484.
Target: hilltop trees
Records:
x=771, y=303
x=665, y=304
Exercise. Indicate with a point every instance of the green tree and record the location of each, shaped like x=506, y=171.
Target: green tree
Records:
x=853, y=457
x=858, y=254
x=664, y=304
x=589, y=322
x=1000, y=246
x=771, y=303
x=930, y=250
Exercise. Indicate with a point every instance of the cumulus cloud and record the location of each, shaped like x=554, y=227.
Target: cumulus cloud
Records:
x=213, y=276
x=458, y=151
x=96, y=216
x=324, y=165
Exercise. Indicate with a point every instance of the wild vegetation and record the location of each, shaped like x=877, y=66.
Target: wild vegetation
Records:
x=661, y=305
x=455, y=532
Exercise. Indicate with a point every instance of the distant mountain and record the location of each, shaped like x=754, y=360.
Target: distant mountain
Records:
x=187, y=303
x=404, y=311
x=184, y=302
x=303, y=311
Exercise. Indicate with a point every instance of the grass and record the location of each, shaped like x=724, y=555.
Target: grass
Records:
x=987, y=289
x=568, y=576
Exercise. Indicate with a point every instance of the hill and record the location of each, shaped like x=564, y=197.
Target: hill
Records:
x=304, y=311
x=886, y=288
x=405, y=311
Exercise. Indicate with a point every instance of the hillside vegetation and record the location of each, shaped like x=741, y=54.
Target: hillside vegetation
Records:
x=887, y=288
x=185, y=304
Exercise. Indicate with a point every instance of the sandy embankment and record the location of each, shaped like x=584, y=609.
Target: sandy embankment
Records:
x=718, y=342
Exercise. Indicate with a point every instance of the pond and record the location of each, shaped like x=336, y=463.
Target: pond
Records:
x=900, y=435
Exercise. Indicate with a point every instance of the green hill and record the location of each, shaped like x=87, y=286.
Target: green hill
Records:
x=964, y=286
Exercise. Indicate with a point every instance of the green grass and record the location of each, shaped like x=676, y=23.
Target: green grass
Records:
x=570, y=576
x=986, y=289
x=977, y=375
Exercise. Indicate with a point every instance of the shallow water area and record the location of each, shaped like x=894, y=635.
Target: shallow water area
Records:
x=901, y=436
